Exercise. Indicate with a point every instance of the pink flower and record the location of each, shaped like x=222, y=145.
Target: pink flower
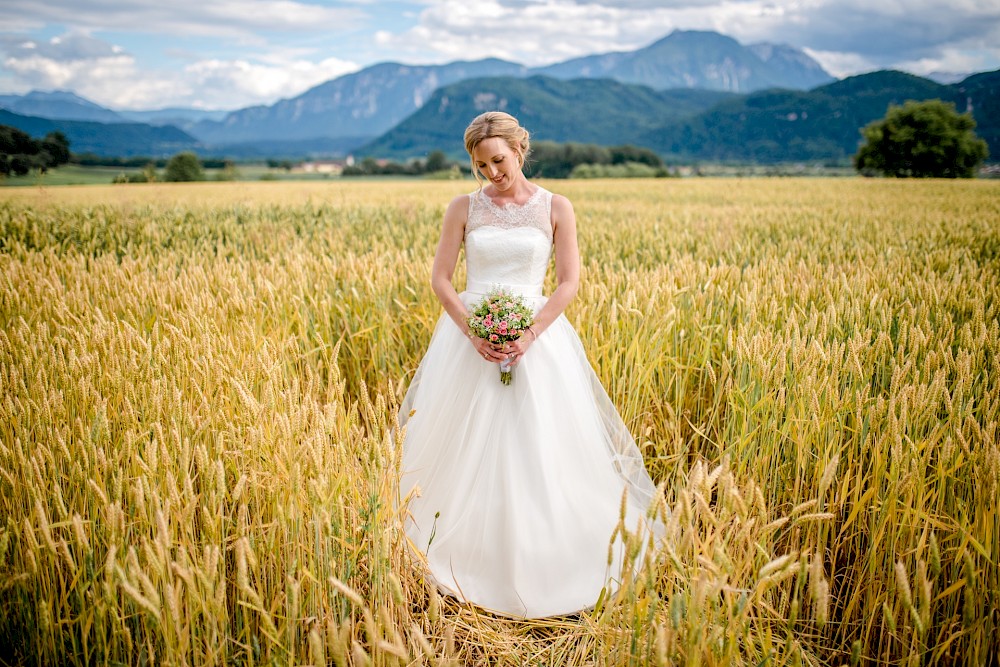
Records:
x=494, y=338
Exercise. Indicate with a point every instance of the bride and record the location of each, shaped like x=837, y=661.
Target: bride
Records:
x=515, y=490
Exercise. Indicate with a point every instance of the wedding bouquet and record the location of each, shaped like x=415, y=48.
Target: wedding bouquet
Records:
x=501, y=317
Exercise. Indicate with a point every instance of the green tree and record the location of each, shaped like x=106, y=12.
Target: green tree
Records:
x=922, y=140
x=19, y=153
x=15, y=148
x=628, y=153
x=229, y=172
x=184, y=167
x=57, y=146
x=436, y=161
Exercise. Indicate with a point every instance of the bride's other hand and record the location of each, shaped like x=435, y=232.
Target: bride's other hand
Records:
x=517, y=349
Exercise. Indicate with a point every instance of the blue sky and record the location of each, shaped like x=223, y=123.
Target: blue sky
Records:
x=226, y=54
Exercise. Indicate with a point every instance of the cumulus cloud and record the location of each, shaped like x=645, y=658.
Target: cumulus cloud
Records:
x=951, y=60
x=239, y=18
x=224, y=81
x=533, y=33
x=654, y=4
x=841, y=64
x=894, y=31
x=918, y=36
x=105, y=73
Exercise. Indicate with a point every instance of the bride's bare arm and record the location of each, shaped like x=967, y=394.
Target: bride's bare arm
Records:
x=446, y=257
x=567, y=264
x=567, y=267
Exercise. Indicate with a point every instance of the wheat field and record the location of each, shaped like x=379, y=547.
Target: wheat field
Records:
x=199, y=455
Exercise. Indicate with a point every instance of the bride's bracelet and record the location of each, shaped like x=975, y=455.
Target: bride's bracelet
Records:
x=533, y=334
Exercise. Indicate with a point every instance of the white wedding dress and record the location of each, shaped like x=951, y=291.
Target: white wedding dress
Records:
x=519, y=486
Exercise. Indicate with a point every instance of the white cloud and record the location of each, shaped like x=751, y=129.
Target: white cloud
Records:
x=890, y=32
x=107, y=79
x=954, y=60
x=213, y=18
x=530, y=33
x=841, y=64
x=224, y=82
x=107, y=75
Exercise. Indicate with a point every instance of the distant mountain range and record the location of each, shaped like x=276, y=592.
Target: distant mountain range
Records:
x=690, y=95
x=66, y=105
x=773, y=125
x=58, y=105
x=766, y=126
x=372, y=101
x=362, y=104
x=598, y=111
x=122, y=139
x=821, y=124
x=182, y=117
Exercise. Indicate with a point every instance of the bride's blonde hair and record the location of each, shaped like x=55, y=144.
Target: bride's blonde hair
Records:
x=496, y=124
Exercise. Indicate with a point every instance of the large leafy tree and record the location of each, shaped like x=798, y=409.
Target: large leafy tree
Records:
x=436, y=161
x=19, y=153
x=56, y=146
x=922, y=140
x=184, y=167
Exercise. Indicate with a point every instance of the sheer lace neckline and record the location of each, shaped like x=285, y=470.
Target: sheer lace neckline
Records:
x=535, y=212
x=511, y=205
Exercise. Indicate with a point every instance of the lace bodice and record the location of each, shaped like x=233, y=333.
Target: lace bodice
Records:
x=509, y=245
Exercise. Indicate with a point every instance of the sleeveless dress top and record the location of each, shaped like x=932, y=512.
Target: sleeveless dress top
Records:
x=515, y=490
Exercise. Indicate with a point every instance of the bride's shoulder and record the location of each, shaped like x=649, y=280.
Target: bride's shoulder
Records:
x=561, y=205
x=561, y=214
x=460, y=203
x=457, y=213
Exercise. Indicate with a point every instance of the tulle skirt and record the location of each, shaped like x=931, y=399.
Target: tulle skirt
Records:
x=520, y=486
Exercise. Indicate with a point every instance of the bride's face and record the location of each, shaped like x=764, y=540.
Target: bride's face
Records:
x=497, y=162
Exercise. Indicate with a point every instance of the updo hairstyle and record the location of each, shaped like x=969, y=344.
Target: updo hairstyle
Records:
x=496, y=124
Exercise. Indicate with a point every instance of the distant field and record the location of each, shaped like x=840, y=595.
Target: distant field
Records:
x=79, y=175
x=67, y=175
x=198, y=461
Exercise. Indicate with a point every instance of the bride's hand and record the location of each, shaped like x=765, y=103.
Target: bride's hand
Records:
x=487, y=351
x=516, y=350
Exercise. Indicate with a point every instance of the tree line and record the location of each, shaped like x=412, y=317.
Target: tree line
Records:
x=138, y=162
x=546, y=160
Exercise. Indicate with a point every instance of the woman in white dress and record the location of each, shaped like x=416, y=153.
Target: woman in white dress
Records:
x=516, y=490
